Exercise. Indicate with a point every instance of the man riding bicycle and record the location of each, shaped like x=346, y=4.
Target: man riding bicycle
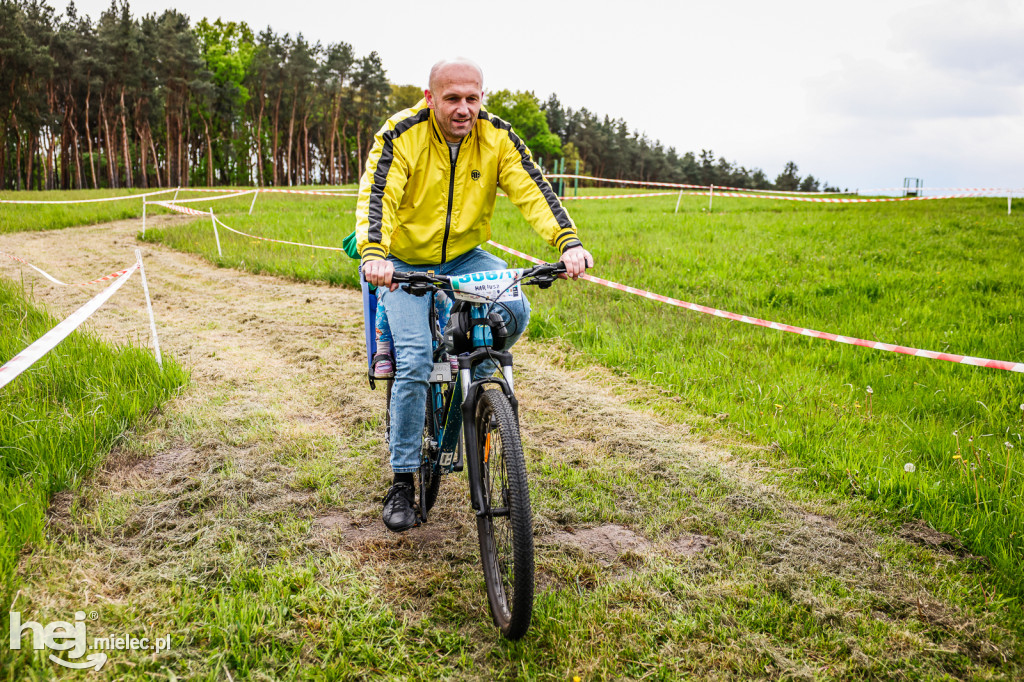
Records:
x=425, y=203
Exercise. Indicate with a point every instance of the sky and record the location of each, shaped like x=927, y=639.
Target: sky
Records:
x=860, y=95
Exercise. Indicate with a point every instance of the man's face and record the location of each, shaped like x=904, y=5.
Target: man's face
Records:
x=456, y=95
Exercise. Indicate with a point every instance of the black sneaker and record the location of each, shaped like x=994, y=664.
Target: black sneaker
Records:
x=399, y=512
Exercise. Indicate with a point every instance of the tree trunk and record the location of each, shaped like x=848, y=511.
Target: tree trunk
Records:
x=31, y=157
x=209, y=154
x=305, y=149
x=291, y=168
x=88, y=136
x=128, y=174
x=76, y=149
x=170, y=149
x=343, y=148
x=259, y=143
x=156, y=159
x=140, y=134
x=274, y=141
x=331, y=171
x=111, y=159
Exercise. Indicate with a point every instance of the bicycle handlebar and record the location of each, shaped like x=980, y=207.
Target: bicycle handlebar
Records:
x=420, y=283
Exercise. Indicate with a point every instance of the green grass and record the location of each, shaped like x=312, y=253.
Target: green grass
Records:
x=941, y=275
x=61, y=416
x=34, y=217
x=935, y=275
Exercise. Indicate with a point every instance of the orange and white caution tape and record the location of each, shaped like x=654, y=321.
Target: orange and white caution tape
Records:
x=88, y=201
x=26, y=358
x=778, y=197
x=276, y=241
x=198, y=199
x=179, y=209
x=877, y=345
x=53, y=279
x=319, y=193
x=619, y=196
x=833, y=200
x=952, y=192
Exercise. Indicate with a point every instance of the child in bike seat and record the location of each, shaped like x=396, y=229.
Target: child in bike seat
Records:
x=383, y=363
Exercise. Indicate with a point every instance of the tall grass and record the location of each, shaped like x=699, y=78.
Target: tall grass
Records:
x=931, y=439
x=60, y=418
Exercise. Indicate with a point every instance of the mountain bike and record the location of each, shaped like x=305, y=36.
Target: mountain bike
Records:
x=475, y=424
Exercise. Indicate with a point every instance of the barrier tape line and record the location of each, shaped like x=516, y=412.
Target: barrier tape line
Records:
x=321, y=193
x=971, y=190
x=678, y=185
x=832, y=200
x=89, y=201
x=180, y=209
x=276, y=241
x=620, y=196
x=224, y=196
x=57, y=281
x=776, y=197
x=876, y=345
x=44, y=344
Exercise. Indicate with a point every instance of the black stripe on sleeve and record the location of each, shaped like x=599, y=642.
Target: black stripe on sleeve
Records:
x=375, y=212
x=561, y=217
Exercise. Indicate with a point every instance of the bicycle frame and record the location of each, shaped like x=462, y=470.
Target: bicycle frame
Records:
x=454, y=423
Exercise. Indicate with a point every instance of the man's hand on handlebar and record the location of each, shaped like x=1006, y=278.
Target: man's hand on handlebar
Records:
x=577, y=260
x=379, y=272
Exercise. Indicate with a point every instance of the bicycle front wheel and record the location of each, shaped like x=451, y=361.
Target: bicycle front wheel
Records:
x=505, y=525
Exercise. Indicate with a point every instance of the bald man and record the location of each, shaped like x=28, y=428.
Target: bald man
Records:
x=425, y=203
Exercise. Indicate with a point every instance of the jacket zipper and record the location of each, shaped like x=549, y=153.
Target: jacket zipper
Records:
x=448, y=218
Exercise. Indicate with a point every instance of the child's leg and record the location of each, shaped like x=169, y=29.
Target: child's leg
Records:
x=443, y=308
x=383, y=365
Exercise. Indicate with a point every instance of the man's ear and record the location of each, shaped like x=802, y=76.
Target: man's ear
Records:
x=429, y=98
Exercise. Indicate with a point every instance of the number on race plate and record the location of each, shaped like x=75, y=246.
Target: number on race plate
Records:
x=490, y=285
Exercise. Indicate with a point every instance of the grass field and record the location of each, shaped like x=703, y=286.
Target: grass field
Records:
x=931, y=439
x=245, y=521
x=61, y=417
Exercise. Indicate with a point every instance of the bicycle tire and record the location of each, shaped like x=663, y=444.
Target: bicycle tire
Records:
x=506, y=540
x=430, y=479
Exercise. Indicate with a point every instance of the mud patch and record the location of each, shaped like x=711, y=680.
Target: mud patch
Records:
x=608, y=543
x=346, y=530
x=690, y=545
x=920, y=533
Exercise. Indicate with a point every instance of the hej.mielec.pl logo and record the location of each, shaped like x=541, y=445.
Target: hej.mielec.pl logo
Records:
x=71, y=637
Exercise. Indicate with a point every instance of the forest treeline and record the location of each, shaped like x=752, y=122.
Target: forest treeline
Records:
x=159, y=101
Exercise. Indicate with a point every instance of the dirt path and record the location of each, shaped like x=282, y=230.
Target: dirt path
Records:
x=274, y=453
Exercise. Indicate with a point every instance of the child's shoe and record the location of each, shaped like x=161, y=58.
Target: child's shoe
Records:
x=383, y=366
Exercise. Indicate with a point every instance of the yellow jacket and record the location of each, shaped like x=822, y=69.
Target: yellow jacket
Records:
x=414, y=203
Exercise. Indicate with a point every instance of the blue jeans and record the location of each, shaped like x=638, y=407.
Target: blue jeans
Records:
x=409, y=319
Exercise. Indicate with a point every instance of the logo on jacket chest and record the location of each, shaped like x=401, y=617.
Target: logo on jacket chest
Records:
x=475, y=175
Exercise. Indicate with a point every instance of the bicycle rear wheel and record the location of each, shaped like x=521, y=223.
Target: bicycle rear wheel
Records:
x=430, y=478
x=505, y=526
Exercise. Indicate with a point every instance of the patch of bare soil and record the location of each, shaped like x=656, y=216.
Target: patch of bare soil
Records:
x=920, y=533
x=612, y=542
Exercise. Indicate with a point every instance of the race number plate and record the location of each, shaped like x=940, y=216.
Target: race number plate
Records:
x=488, y=286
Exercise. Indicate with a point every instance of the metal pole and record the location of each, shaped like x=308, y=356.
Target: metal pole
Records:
x=254, y=195
x=576, y=188
x=143, y=218
x=175, y=195
x=678, y=200
x=711, y=197
x=215, y=235
x=149, y=307
x=1009, y=206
